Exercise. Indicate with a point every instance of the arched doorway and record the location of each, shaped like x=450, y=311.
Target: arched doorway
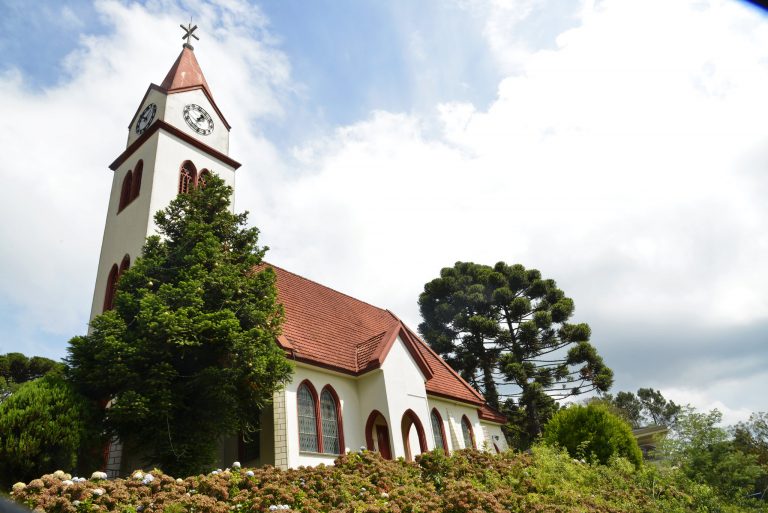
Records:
x=377, y=434
x=412, y=430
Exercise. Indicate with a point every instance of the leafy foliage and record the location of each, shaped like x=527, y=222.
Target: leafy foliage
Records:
x=43, y=426
x=16, y=368
x=592, y=431
x=705, y=452
x=505, y=327
x=647, y=407
x=188, y=354
x=751, y=437
x=546, y=480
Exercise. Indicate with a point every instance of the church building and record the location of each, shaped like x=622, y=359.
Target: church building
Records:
x=363, y=379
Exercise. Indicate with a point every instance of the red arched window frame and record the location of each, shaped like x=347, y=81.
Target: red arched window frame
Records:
x=202, y=180
x=410, y=419
x=466, y=428
x=125, y=191
x=124, y=265
x=328, y=389
x=187, y=177
x=136, y=181
x=109, y=294
x=436, y=418
x=316, y=406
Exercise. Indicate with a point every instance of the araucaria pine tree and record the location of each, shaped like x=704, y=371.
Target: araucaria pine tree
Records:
x=505, y=329
x=189, y=353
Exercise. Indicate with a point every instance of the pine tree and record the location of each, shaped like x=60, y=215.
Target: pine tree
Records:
x=189, y=353
x=505, y=329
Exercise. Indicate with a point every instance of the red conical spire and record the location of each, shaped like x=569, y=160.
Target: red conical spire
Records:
x=185, y=73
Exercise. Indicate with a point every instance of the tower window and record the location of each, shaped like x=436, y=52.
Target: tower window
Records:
x=136, y=181
x=125, y=191
x=124, y=265
x=307, y=399
x=331, y=421
x=437, y=430
x=203, y=178
x=109, y=294
x=187, y=177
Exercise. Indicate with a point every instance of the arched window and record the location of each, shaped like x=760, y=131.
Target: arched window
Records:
x=109, y=294
x=333, y=435
x=203, y=178
x=125, y=191
x=412, y=432
x=469, y=435
x=187, y=177
x=125, y=264
x=136, y=182
x=438, y=430
x=308, y=417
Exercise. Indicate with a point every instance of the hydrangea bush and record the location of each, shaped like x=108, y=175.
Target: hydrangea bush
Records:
x=466, y=482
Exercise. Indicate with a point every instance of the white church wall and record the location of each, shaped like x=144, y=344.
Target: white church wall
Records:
x=405, y=390
x=125, y=232
x=452, y=412
x=372, y=394
x=174, y=115
x=494, y=437
x=346, y=389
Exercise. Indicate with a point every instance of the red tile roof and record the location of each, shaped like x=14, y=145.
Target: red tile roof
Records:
x=333, y=330
x=489, y=414
x=185, y=73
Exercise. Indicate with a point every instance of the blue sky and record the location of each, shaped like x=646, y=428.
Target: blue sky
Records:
x=619, y=148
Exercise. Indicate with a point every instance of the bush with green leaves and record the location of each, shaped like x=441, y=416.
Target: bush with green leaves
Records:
x=592, y=432
x=45, y=425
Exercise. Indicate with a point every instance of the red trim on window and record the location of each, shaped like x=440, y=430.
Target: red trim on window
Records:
x=442, y=428
x=187, y=177
x=125, y=191
x=339, y=420
x=410, y=418
x=318, y=422
x=109, y=294
x=124, y=265
x=136, y=181
x=202, y=178
x=471, y=431
x=369, y=428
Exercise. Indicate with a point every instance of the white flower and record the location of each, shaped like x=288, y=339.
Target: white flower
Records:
x=138, y=475
x=98, y=475
x=148, y=479
x=385, y=495
x=362, y=448
x=179, y=480
x=59, y=473
x=75, y=503
x=98, y=492
x=249, y=473
x=215, y=472
x=19, y=486
x=273, y=508
x=67, y=482
x=236, y=464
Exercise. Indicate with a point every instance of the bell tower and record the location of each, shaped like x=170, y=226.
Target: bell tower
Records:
x=176, y=137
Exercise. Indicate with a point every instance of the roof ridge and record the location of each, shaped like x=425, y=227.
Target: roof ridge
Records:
x=264, y=262
x=445, y=364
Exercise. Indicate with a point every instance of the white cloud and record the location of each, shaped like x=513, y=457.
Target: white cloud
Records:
x=626, y=159
x=56, y=153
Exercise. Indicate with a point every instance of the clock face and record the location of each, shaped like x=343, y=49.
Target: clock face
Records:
x=197, y=119
x=146, y=118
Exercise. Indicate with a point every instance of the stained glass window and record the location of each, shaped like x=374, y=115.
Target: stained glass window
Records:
x=307, y=420
x=330, y=423
x=437, y=430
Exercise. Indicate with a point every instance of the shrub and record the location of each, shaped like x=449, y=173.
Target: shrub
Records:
x=593, y=432
x=42, y=426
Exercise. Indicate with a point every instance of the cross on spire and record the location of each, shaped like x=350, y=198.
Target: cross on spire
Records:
x=189, y=29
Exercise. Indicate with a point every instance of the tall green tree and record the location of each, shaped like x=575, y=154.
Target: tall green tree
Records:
x=649, y=406
x=189, y=353
x=706, y=453
x=45, y=426
x=505, y=329
x=16, y=368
